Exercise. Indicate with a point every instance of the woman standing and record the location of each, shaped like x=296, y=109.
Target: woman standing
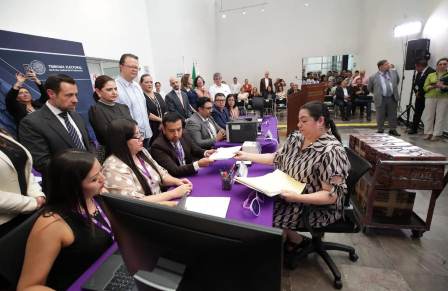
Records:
x=200, y=88
x=72, y=232
x=19, y=101
x=315, y=156
x=105, y=110
x=186, y=83
x=19, y=191
x=436, y=101
x=155, y=105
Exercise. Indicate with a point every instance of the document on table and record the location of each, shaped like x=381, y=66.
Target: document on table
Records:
x=224, y=153
x=273, y=183
x=216, y=206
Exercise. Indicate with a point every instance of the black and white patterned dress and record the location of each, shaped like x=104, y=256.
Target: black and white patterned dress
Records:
x=319, y=162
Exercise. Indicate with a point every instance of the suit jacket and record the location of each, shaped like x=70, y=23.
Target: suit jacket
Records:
x=199, y=131
x=173, y=104
x=340, y=93
x=165, y=155
x=375, y=87
x=221, y=117
x=43, y=135
x=12, y=202
x=263, y=88
x=419, y=82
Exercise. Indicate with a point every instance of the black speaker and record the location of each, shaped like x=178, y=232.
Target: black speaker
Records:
x=416, y=50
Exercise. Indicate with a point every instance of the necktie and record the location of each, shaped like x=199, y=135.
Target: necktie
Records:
x=179, y=95
x=388, y=84
x=179, y=153
x=72, y=132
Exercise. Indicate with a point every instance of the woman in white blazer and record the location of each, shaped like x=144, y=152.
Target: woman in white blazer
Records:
x=19, y=191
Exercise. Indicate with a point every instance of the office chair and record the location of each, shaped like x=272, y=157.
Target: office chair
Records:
x=12, y=253
x=348, y=224
x=258, y=104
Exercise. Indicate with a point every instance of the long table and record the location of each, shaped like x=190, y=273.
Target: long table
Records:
x=207, y=183
x=268, y=145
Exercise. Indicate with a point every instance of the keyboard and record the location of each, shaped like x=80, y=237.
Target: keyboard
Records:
x=121, y=280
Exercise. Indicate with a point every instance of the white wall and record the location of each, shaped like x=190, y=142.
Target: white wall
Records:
x=106, y=28
x=182, y=32
x=280, y=37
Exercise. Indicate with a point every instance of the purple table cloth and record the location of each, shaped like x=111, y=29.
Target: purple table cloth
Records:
x=268, y=145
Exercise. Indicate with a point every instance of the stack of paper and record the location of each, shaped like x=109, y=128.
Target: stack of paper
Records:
x=224, y=153
x=273, y=183
x=216, y=206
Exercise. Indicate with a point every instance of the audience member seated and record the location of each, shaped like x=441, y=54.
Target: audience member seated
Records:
x=186, y=83
x=177, y=101
x=218, y=87
x=202, y=128
x=72, y=232
x=155, y=105
x=131, y=94
x=19, y=101
x=243, y=96
x=247, y=87
x=20, y=193
x=331, y=89
x=158, y=86
x=176, y=152
x=364, y=77
x=254, y=92
x=344, y=99
x=235, y=86
x=220, y=113
x=234, y=111
x=105, y=110
x=269, y=93
x=131, y=171
x=56, y=126
x=280, y=92
x=361, y=98
x=313, y=155
x=200, y=88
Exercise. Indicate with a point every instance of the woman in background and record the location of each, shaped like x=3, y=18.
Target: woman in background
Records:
x=20, y=193
x=234, y=111
x=72, y=232
x=200, y=88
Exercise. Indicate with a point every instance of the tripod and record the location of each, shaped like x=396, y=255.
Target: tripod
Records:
x=410, y=106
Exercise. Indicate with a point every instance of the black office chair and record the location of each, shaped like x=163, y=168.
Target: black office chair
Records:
x=348, y=224
x=258, y=104
x=12, y=253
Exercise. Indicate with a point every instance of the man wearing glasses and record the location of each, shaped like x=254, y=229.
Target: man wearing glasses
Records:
x=131, y=94
x=202, y=128
x=218, y=86
x=220, y=113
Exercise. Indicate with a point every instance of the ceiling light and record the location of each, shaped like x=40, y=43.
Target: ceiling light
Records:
x=244, y=12
x=406, y=29
x=306, y=4
x=262, y=10
x=224, y=16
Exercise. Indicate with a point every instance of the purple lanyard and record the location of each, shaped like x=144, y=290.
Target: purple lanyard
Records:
x=179, y=152
x=107, y=229
x=147, y=174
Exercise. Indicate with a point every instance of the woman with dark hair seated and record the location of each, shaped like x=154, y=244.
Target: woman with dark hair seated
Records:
x=19, y=101
x=131, y=171
x=72, y=232
x=313, y=155
x=234, y=111
x=20, y=193
x=105, y=110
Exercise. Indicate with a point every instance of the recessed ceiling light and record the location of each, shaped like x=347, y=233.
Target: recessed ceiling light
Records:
x=224, y=16
x=262, y=10
x=244, y=12
x=306, y=4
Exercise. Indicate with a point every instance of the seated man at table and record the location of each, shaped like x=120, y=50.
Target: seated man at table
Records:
x=361, y=98
x=202, y=128
x=220, y=113
x=176, y=152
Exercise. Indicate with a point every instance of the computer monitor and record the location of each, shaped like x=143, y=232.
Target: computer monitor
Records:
x=218, y=254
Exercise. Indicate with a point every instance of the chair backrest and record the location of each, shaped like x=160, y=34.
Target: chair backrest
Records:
x=358, y=167
x=12, y=251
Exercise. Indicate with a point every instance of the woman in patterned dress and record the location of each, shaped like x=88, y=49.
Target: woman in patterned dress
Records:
x=313, y=155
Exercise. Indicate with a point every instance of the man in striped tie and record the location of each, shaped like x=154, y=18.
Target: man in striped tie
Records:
x=56, y=126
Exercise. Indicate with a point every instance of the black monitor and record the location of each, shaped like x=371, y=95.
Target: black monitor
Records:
x=218, y=254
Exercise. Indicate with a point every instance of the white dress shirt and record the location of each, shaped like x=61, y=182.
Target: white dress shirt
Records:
x=235, y=88
x=214, y=89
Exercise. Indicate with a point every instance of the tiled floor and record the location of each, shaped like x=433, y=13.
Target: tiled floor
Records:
x=388, y=259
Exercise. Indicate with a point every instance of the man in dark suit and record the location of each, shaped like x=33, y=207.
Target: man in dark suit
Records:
x=176, y=152
x=177, y=101
x=202, y=128
x=265, y=83
x=56, y=126
x=423, y=70
x=344, y=99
